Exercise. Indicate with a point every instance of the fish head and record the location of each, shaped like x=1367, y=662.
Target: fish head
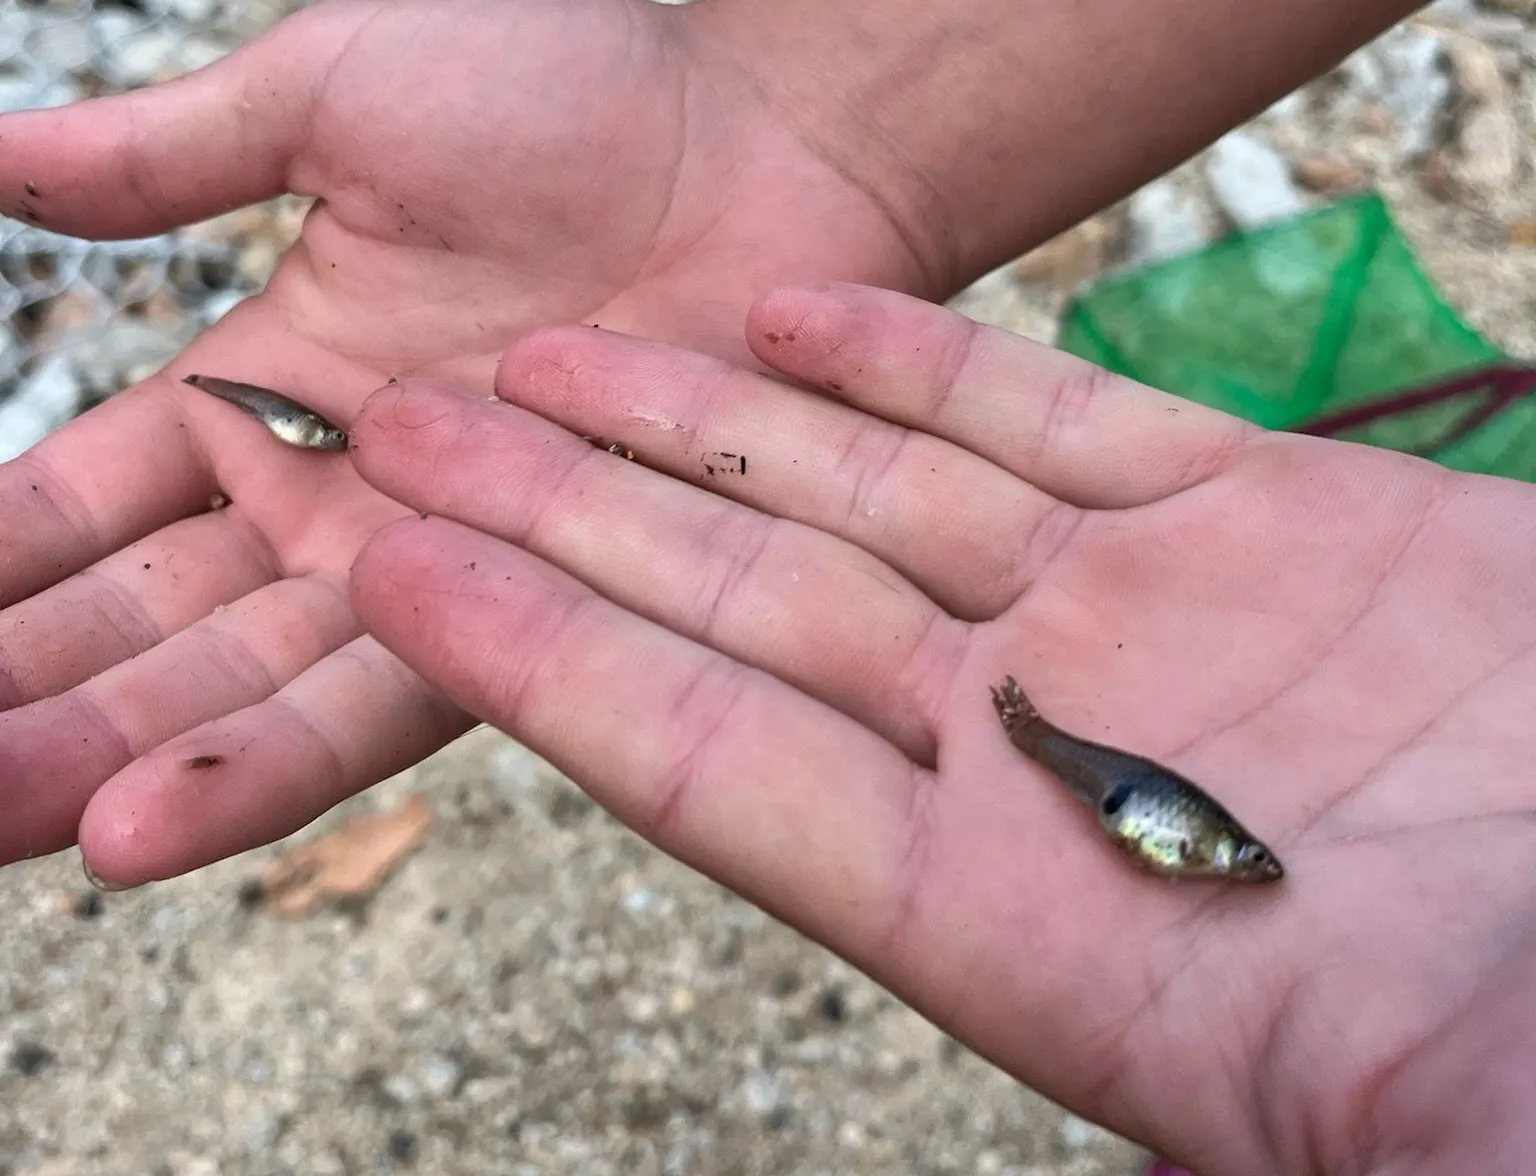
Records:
x=1178, y=833
x=1196, y=851
x=332, y=438
x=1243, y=859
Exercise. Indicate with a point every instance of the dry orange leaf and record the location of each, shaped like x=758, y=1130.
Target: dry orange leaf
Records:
x=350, y=863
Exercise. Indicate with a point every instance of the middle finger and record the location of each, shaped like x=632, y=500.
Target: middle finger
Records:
x=806, y=606
x=968, y=532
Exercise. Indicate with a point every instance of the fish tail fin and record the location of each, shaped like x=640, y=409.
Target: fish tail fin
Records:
x=1012, y=704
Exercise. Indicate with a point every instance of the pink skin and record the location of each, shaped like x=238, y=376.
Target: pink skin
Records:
x=782, y=679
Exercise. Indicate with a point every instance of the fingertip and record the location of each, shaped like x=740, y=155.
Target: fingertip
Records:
x=806, y=330
x=388, y=557
x=179, y=808
x=779, y=316
x=105, y=885
x=378, y=406
x=786, y=309
x=548, y=360
x=119, y=832
x=400, y=428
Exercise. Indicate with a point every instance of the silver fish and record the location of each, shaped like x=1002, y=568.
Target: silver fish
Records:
x=1164, y=823
x=289, y=421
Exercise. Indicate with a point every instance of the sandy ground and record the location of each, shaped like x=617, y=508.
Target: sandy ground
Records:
x=536, y=990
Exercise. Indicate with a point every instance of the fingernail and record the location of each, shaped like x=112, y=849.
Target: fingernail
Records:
x=101, y=883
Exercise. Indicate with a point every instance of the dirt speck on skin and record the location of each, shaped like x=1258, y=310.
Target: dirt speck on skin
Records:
x=535, y=986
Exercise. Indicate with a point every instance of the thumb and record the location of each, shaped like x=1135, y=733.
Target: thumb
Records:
x=144, y=162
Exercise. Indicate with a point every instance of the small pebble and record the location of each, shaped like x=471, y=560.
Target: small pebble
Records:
x=833, y=1006
x=1252, y=181
x=29, y=1059
x=403, y=1146
x=441, y=1075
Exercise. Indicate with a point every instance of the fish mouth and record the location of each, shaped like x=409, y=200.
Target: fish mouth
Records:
x=1263, y=866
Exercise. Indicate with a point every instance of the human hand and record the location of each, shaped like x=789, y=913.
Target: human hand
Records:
x=482, y=169
x=780, y=675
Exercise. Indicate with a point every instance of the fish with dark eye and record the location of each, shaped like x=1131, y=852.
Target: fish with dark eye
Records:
x=1164, y=823
x=288, y=420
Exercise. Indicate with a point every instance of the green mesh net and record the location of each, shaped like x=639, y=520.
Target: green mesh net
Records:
x=1325, y=323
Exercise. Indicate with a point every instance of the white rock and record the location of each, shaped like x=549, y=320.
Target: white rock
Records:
x=1251, y=182
x=1476, y=70
x=1416, y=86
x=262, y=1127
x=642, y=1007
x=1490, y=150
x=440, y=1074
x=1450, y=11
x=1289, y=108
x=122, y=353
x=1077, y=1134
x=12, y=352
x=41, y=403
x=192, y=11
x=1364, y=72
x=37, y=91
x=111, y=25
x=15, y=23
x=257, y=1070
x=989, y=285
x=762, y=1092
x=402, y=1089
x=1165, y=219
x=1520, y=9
x=197, y=52
x=140, y=58
x=63, y=45
x=215, y=306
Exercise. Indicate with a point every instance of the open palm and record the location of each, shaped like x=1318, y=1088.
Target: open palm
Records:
x=775, y=664
x=481, y=169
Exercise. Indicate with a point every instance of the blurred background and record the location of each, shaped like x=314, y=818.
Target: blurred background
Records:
x=473, y=969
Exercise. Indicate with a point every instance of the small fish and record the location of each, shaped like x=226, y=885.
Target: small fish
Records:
x=288, y=420
x=1161, y=821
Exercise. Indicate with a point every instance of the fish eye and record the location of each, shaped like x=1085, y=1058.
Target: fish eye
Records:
x=1257, y=858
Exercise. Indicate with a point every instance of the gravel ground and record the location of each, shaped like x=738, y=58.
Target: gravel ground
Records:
x=535, y=990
